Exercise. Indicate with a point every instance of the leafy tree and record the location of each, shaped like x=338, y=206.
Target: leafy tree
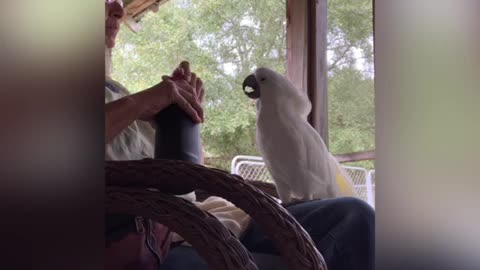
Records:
x=226, y=39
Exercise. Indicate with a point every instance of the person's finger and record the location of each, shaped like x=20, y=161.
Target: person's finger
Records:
x=199, y=84
x=187, y=107
x=177, y=73
x=193, y=82
x=200, y=90
x=201, y=95
x=166, y=78
x=194, y=102
x=182, y=84
x=185, y=65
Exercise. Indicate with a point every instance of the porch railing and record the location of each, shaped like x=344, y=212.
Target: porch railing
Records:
x=253, y=168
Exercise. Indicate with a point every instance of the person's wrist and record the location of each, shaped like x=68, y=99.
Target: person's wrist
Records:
x=138, y=103
x=166, y=87
x=152, y=100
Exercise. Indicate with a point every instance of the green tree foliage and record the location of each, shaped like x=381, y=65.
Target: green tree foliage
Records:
x=225, y=40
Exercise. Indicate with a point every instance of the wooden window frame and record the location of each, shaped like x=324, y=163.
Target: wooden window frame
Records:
x=307, y=29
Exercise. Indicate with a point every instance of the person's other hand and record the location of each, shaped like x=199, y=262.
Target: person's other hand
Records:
x=167, y=92
x=183, y=72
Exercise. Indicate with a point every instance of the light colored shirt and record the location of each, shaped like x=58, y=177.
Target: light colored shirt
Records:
x=137, y=140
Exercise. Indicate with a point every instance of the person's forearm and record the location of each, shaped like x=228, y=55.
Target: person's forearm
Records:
x=119, y=114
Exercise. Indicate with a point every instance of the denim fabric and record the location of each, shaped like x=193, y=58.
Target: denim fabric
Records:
x=343, y=230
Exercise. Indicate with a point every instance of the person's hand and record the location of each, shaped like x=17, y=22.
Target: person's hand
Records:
x=183, y=73
x=153, y=100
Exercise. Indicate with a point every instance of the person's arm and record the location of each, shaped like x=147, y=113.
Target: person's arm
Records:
x=119, y=114
x=146, y=104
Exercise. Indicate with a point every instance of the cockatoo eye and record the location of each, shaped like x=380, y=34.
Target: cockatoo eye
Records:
x=262, y=79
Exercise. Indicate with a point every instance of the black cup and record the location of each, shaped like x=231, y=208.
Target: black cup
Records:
x=177, y=136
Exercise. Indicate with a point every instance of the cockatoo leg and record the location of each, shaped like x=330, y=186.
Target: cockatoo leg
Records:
x=284, y=192
x=307, y=197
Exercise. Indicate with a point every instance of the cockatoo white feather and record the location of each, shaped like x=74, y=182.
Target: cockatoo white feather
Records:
x=294, y=153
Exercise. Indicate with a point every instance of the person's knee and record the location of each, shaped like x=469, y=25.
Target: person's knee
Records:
x=184, y=258
x=359, y=214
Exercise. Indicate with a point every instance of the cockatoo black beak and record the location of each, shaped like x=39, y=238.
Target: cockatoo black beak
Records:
x=251, y=82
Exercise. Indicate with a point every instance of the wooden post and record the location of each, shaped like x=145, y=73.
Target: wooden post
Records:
x=297, y=41
x=318, y=75
x=307, y=56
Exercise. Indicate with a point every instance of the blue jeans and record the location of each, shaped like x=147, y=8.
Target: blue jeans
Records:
x=343, y=230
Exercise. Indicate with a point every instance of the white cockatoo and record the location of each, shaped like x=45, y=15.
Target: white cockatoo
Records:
x=294, y=153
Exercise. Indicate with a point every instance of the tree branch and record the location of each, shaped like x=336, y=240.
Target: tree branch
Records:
x=342, y=56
